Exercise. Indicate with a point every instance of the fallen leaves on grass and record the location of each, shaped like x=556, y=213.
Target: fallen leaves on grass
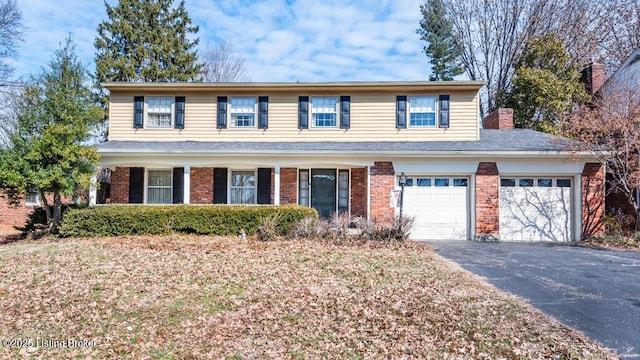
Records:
x=201, y=297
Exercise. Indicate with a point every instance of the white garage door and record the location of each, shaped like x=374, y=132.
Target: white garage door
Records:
x=535, y=209
x=439, y=206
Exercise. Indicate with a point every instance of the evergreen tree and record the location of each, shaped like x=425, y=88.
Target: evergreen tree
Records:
x=546, y=85
x=146, y=40
x=435, y=29
x=46, y=153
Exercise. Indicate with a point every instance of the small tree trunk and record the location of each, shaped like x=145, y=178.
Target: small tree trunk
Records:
x=47, y=209
x=57, y=212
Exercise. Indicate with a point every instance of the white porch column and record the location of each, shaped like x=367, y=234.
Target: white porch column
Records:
x=276, y=185
x=93, y=190
x=186, y=184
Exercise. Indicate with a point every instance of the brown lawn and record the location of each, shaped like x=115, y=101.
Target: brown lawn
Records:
x=201, y=297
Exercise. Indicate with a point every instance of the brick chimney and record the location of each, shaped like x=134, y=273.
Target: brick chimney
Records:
x=593, y=77
x=499, y=119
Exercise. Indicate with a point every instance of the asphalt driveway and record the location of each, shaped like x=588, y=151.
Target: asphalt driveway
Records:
x=595, y=291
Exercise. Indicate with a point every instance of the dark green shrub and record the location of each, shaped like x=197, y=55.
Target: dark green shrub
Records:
x=114, y=220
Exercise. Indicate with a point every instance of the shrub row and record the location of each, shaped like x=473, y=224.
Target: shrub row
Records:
x=114, y=220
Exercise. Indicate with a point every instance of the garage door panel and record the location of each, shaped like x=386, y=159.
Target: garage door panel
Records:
x=535, y=213
x=439, y=212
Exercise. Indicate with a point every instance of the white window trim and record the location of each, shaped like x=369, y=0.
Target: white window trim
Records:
x=32, y=203
x=312, y=122
x=147, y=118
x=230, y=181
x=232, y=124
x=435, y=112
x=146, y=185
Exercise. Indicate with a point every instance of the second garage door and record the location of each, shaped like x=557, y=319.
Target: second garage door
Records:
x=535, y=209
x=439, y=206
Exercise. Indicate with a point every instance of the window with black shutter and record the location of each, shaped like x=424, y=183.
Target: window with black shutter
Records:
x=179, y=121
x=222, y=112
x=178, y=185
x=401, y=112
x=264, y=185
x=138, y=112
x=136, y=185
x=303, y=112
x=345, y=112
x=220, y=185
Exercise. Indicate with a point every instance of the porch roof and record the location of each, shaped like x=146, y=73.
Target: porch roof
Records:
x=496, y=142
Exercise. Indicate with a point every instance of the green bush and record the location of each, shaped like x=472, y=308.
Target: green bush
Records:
x=114, y=220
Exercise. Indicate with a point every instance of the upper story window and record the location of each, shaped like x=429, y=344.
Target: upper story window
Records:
x=159, y=111
x=324, y=111
x=422, y=111
x=243, y=111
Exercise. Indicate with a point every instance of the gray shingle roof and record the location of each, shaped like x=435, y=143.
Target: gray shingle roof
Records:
x=513, y=140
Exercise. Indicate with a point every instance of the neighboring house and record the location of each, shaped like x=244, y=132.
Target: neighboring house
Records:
x=341, y=147
x=625, y=80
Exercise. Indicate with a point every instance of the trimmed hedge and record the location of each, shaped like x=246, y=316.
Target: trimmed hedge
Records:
x=114, y=220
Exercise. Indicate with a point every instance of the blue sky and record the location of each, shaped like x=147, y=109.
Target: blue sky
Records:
x=282, y=40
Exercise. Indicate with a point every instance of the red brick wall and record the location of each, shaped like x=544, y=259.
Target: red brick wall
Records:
x=499, y=119
x=487, y=200
x=288, y=186
x=382, y=177
x=359, y=192
x=120, y=185
x=12, y=216
x=593, y=182
x=201, y=189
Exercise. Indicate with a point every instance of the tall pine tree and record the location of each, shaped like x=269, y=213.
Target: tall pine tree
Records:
x=146, y=40
x=435, y=29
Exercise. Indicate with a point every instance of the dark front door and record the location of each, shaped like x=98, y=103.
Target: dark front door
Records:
x=323, y=191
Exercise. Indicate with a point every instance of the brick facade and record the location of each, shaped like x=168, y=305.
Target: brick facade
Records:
x=13, y=216
x=487, y=201
x=359, y=192
x=382, y=179
x=593, y=186
x=201, y=189
x=120, y=186
x=288, y=186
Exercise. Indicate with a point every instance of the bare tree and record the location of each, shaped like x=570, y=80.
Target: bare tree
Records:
x=491, y=35
x=620, y=30
x=609, y=130
x=11, y=31
x=222, y=64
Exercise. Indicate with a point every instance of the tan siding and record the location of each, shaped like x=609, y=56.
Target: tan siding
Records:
x=372, y=118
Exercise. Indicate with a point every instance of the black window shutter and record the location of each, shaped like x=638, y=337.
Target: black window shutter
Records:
x=179, y=123
x=136, y=185
x=401, y=112
x=345, y=112
x=263, y=112
x=303, y=112
x=220, y=185
x=178, y=185
x=444, y=111
x=138, y=111
x=222, y=112
x=264, y=185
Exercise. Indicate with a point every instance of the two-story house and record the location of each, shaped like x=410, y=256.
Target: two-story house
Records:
x=342, y=146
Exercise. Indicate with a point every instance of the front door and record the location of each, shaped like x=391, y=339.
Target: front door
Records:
x=323, y=191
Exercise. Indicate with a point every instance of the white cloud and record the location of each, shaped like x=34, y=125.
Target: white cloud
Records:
x=282, y=40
